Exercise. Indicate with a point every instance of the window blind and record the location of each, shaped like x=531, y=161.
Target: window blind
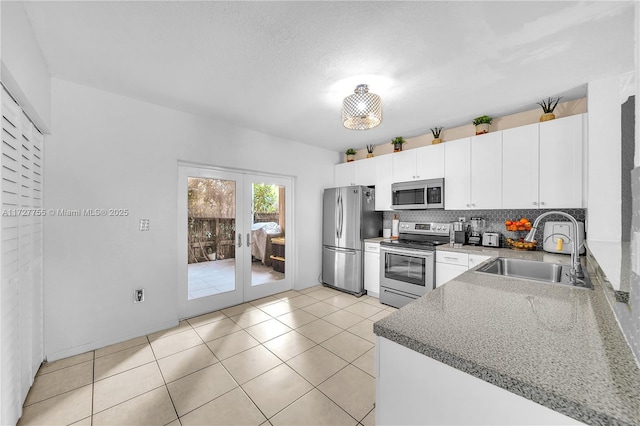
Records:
x=21, y=309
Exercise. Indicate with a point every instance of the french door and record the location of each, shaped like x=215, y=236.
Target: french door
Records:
x=235, y=235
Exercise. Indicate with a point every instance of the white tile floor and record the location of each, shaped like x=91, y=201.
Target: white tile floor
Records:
x=296, y=358
x=214, y=277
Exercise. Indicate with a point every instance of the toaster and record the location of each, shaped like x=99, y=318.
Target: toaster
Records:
x=491, y=239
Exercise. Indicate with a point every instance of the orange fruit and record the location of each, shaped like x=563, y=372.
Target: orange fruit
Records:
x=508, y=222
x=524, y=220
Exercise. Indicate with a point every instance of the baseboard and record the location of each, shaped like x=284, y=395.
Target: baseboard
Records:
x=76, y=350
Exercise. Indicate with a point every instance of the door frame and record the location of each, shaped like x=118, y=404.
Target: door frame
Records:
x=189, y=308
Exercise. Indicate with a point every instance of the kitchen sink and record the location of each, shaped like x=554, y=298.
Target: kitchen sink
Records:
x=532, y=270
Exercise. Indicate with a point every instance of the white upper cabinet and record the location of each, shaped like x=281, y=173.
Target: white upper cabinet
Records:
x=344, y=174
x=542, y=165
x=366, y=171
x=430, y=162
x=457, y=174
x=561, y=144
x=520, y=167
x=426, y=162
x=486, y=171
x=384, y=179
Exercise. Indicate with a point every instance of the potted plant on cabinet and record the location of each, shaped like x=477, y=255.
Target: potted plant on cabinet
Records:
x=397, y=143
x=548, y=107
x=350, y=154
x=370, y=149
x=482, y=124
x=436, y=135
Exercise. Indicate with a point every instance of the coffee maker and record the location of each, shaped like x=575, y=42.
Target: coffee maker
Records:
x=459, y=236
x=477, y=228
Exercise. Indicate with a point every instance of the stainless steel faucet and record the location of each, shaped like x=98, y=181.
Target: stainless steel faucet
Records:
x=576, y=273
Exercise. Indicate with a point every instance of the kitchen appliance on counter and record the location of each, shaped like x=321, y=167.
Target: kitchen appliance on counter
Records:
x=418, y=195
x=491, y=239
x=553, y=231
x=477, y=228
x=459, y=234
x=348, y=217
x=407, y=265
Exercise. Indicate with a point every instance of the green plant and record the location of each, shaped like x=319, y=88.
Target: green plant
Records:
x=549, y=105
x=351, y=151
x=482, y=119
x=399, y=140
x=265, y=198
x=436, y=132
x=371, y=148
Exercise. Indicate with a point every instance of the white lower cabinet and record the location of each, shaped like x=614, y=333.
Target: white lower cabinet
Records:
x=449, y=265
x=372, y=268
x=413, y=389
x=476, y=259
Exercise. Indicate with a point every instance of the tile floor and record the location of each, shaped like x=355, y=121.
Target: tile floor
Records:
x=296, y=358
x=214, y=277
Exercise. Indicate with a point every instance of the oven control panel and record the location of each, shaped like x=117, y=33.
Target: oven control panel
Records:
x=428, y=228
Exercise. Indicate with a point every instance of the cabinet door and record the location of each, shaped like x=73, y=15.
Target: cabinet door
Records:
x=446, y=272
x=366, y=171
x=486, y=171
x=430, y=162
x=457, y=164
x=476, y=259
x=383, y=182
x=344, y=174
x=404, y=166
x=561, y=143
x=372, y=273
x=520, y=167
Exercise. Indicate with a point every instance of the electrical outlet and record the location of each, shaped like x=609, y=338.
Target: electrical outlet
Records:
x=144, y=224
x=138, y=295
x=462, y=219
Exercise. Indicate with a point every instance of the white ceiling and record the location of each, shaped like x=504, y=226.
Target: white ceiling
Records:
x=283, y=68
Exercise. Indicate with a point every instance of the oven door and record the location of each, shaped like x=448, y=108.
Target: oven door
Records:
x=408, y=270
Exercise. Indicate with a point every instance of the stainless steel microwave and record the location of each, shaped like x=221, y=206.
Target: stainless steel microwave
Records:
x=418, y=195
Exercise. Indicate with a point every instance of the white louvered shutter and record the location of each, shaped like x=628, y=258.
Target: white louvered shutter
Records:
x=21, y=259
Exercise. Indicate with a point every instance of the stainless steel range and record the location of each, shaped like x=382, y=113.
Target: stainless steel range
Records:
x=407, y=265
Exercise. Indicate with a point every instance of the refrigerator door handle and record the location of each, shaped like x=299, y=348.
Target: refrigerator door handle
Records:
x=340, y=250
x=341, y=212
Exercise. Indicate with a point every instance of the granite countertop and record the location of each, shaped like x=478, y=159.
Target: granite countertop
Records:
x=555, y=345
x=376, y=239
x=613, y=259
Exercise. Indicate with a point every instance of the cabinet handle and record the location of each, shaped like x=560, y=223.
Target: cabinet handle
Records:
x=542, y=203
x=239, y=239
x=468, y=205
x=535, y=203
x=248, y=239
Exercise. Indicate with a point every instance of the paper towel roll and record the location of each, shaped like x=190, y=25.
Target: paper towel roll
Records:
x=395, y=226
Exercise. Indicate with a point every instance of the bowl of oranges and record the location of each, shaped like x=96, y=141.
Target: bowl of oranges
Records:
x=518, y=225
x=519, y=243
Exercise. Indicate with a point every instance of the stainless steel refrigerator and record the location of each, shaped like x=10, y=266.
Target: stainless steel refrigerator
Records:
x=348, y=218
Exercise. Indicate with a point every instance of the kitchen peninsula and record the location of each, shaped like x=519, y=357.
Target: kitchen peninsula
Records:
x=484, y=349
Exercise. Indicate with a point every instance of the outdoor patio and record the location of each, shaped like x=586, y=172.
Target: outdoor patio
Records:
x=218, y=276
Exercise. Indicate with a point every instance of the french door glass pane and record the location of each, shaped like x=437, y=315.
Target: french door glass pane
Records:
x=268, y=223
x=211, y=224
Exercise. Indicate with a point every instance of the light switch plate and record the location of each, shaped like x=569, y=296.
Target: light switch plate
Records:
x=144, y=224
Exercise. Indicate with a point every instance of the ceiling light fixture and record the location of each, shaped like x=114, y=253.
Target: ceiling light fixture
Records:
x=362, y=110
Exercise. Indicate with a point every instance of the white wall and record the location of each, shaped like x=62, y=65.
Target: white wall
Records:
x=604, y=165
x=108, y=151
x=24, y=69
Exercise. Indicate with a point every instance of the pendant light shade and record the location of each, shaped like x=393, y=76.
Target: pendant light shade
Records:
x=362, y=110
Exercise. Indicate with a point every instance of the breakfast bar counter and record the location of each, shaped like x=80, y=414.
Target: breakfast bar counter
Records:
x=555, y=345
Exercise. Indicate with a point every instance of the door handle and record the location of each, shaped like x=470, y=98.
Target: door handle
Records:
x=248, y=239
x=239, y=239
